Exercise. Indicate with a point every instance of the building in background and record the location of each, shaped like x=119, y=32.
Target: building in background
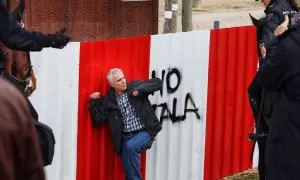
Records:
x=90, y=20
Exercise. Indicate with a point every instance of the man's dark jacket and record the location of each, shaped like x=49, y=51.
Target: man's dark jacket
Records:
x=275, y=12
x=281, y=74
x=106, y=110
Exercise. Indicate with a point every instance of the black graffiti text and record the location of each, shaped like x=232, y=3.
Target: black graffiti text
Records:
x=170, y=112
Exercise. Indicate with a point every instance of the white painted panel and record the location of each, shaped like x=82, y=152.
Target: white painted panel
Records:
x=56, y=101
x=178, y=152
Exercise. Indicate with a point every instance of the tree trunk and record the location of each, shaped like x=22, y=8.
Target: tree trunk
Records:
x=196, y=3
x=187, y=22
x=170, y=25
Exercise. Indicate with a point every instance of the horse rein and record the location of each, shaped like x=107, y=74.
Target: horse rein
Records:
x=28, y=73
x=29, y=70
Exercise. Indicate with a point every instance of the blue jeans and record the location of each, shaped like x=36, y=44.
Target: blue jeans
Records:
x=132, y=146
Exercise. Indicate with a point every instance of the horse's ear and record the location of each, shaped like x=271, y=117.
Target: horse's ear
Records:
x=18, y=12
x=255, y=21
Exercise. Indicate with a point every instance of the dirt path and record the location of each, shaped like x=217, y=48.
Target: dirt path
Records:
x=230, y=13
x=251, y=174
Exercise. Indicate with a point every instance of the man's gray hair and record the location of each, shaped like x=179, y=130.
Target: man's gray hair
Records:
x=111, y=73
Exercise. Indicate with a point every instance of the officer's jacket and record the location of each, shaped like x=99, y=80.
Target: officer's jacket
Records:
x=16, y=38
x=275, y=13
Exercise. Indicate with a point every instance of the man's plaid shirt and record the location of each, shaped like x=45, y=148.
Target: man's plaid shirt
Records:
x=131, y=122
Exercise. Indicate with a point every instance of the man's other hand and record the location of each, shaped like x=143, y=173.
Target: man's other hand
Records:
x=95, y=95
x=135, y=93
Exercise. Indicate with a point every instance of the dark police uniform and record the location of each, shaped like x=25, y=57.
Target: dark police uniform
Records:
x=281, y=74
x=275, y=13
x=16, y=38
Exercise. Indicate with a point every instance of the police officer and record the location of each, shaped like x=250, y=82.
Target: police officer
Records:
x=262, y=101
x=13, y=36
x=281, y=74
x=275, y=15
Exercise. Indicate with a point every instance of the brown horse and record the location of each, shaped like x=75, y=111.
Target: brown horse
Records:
x=19, y=70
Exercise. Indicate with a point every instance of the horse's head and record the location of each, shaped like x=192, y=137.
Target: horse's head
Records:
x=19, y=69
x=22, y=70
x=259, y=24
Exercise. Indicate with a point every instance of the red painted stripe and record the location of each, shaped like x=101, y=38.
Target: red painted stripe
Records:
x=96, y=159
x=232, y=65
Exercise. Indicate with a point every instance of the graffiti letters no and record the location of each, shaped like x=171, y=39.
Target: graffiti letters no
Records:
x=171, y=113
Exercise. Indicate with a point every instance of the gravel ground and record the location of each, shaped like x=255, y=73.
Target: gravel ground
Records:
x=251, y=174
x=230, y=13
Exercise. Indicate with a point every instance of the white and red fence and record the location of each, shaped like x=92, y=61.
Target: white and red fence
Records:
x=203, y=105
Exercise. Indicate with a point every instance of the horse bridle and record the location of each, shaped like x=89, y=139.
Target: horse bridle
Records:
x=26, y=80
x=29, y=70
x=27, y=77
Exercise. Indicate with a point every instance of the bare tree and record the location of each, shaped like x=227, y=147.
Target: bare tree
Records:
x=170, y=25
x=187, y=22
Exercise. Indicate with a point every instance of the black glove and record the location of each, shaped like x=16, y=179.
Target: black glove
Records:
x=59, y=39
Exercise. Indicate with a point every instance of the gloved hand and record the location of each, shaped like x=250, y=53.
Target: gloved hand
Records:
x=59, y=39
